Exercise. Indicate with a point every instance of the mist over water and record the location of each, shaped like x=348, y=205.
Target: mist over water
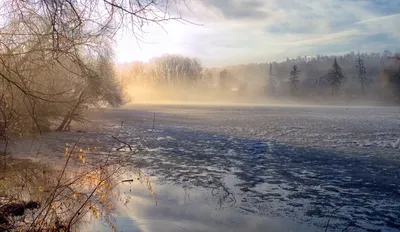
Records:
x=174, y=79
x=190, y=95
x=142, y=94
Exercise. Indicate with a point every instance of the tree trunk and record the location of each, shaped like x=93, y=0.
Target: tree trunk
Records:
x=68, y=123
x=68, y=117
x=65, y=120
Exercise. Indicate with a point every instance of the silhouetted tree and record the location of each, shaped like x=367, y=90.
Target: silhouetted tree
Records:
x=335, y=77
x=176, y=70
x=224, y=77
x=362, y=73
x=393, y=78
x=271, y=82
x=54, y=59
x=101, y=89
x=294, y=80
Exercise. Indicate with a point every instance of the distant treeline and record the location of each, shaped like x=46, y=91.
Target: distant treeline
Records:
x=354, y=76
x=378, y=77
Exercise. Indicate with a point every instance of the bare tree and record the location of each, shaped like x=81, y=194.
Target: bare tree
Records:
x=54, y=55
x=100, y=89
x=176, y=70
x=225, y=79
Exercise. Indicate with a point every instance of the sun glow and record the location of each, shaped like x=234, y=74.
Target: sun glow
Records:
x=155, y=42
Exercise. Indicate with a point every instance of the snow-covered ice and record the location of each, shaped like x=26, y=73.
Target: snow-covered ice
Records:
x=303, y=164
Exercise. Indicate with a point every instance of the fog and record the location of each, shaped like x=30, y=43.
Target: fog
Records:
x=174, y=79
x=141, y=93
x=148, y=95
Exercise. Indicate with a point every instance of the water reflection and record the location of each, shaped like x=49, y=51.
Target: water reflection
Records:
x=184, y=209
x=53, y=199
x=128, y=200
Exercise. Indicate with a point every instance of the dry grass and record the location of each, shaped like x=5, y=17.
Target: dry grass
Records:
x=65, y=195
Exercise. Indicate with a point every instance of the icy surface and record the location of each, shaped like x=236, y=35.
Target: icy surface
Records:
x=306, y=164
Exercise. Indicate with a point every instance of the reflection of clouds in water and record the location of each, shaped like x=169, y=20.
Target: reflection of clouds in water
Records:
x=176, y=211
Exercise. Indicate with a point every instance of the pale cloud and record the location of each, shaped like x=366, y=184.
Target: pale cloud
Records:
x=392, y=18
x=247, y=31
x=238, y=10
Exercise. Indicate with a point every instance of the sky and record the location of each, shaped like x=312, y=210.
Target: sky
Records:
x=229, y=32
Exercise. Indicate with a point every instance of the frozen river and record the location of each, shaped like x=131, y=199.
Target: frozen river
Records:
x=285, y=168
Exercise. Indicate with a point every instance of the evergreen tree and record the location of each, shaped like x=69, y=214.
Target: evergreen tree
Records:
x=335, y=77
x=294, y=80
x=362, y=73
x=271, y=82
